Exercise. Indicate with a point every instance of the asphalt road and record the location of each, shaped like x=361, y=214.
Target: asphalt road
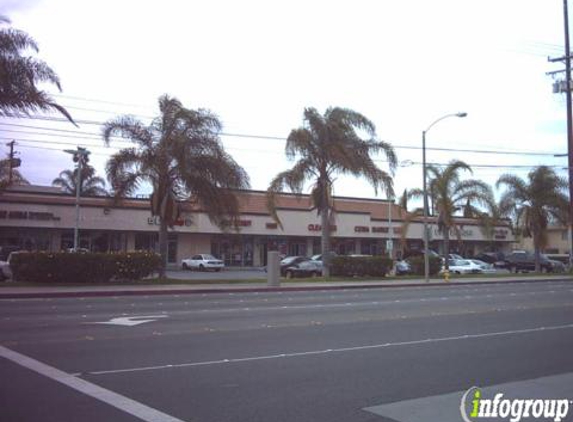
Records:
x=292, y=356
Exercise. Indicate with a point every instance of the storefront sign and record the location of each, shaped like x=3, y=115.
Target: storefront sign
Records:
x=28, y=215
x=500, y=234
x=156, y=221
x=238, y=223
x=379, y=229
x=272, y=226
x=361, y=229
x=318, y=227
x=463, y=232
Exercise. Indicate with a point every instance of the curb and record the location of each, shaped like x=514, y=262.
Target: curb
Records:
x=182, y=291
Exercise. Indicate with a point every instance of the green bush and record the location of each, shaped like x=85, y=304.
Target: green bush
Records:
x=348, y=266
x=417, y=264
x=62, y=267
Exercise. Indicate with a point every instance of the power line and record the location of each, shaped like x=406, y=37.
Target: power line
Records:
x=251, y=136
x=107, y=154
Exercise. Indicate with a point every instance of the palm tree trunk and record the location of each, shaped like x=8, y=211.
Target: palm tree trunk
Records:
x=163, y=248
x=446, y=234
x=536, y=252
x=325, y=241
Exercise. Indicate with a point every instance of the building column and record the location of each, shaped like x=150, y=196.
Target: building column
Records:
x=309, y=246
x=131, y=241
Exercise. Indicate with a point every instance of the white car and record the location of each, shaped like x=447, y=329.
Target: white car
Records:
x=202, y=262
x=5, y=270
x=485, y=267
x=463, y=266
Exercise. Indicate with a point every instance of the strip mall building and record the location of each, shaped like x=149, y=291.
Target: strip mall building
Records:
x=43, y=218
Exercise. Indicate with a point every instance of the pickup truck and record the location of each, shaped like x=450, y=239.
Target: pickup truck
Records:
x=522, y=261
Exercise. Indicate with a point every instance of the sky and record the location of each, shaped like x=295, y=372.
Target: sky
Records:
x=258, y=64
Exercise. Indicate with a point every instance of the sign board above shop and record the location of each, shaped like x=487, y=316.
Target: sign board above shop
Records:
x=156, y=221
x=28, y=215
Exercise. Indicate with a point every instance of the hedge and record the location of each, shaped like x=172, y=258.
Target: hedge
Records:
x=375, y=266
x=63, y=267
x=417, y=264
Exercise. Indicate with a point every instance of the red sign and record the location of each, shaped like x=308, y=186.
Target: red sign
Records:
x=318, y=227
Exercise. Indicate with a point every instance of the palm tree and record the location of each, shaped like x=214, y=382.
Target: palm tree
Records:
x=16, y=179
x=90, y=184
x=450, y=195
x=534, y=203
x=327, y=145
x=180, y=154
x=20, y=74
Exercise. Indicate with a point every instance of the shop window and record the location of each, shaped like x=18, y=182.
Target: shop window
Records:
x=146, y=242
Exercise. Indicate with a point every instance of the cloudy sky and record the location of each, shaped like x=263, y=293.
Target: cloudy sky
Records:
x=257, y=64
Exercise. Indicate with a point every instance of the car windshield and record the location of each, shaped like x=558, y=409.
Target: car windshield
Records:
x=208, y=257
x=289, y=259
x=462, y=262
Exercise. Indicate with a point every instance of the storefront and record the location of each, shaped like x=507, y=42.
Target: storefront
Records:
x=41, y=218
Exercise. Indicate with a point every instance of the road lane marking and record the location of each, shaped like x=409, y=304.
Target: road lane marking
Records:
x=116, y=400
x=334, y=350
x=130, y=321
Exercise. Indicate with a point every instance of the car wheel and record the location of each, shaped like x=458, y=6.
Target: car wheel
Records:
x=217, y=269
x=201, y=267
x=185, y=266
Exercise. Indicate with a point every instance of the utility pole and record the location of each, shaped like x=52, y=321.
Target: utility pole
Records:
x=569, y=127
x=81, y=158
x=559, y=87
x=11, y=161
x=565, y=86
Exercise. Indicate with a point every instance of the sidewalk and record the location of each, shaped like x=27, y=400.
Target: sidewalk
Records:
x=7, y=292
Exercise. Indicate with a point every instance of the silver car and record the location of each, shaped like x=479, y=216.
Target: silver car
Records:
x=202, y=262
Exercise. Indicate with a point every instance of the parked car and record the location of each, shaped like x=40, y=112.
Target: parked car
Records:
x=5, y=251
x=290, y=261
x=403, y=268
x=485, y=267
x=497, y=259
x=523, y=261
x=202, y=262
x=302, y=268
x=557, y=266
x=5, y=269
x=463, y=266
x=455, y=256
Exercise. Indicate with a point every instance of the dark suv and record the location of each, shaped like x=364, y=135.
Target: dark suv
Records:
x=518, y=261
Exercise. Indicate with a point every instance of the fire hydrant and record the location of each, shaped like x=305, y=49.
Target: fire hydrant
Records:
x=446, y=276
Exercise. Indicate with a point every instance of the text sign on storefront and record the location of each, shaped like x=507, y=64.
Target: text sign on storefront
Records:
x=361, y=229
x=318, y=227
x=463, y=232
x=179, y=222
x=28, y=215
x=500, y=234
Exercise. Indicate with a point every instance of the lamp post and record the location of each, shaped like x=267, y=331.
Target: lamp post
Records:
x=425, y=193
x=81, y=157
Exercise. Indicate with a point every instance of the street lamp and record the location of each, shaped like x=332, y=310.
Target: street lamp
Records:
x=425, y=193
x=81, y=157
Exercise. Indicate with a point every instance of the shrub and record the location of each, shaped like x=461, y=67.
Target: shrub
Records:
x=417, y=264
x=375, y=266
x=62, y=267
